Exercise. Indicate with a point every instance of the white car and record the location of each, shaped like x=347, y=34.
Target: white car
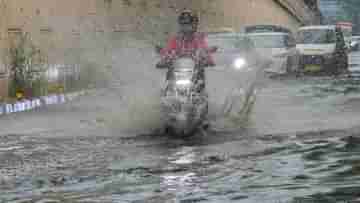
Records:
x=322, y=48
x=279, y=48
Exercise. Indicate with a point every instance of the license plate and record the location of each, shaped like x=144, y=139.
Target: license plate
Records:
x=312, y=68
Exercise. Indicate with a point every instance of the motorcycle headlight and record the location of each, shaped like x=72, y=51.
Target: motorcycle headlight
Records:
x=183, y=82
x=239, y=63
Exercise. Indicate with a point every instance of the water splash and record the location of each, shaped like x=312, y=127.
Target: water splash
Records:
x=138, y=82
x=232, y=97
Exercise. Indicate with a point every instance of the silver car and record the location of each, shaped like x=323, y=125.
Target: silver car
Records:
x=232, y=83
x=235, y=51
x=280, y=50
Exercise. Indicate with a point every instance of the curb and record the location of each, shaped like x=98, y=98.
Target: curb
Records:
x=38, y=102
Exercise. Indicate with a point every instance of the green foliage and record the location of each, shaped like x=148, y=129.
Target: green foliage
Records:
x=26, y=65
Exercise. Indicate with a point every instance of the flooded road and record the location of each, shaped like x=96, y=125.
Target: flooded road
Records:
x=320, y=166
x=301, y=144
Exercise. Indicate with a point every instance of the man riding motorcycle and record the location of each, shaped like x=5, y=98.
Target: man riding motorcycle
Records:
x=187, y=41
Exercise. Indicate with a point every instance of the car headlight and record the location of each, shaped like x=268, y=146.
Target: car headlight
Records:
x=183, y=82
x=239, y=63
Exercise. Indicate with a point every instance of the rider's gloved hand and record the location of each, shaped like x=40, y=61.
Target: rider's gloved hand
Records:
x=207, y=63
x=211, y=64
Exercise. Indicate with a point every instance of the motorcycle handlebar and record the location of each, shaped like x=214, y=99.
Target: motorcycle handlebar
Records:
x=200, y=55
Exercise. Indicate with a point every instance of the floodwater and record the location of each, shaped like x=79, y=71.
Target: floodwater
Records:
x=300, y=144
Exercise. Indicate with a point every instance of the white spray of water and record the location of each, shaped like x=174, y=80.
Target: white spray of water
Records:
x=135, y=78
x=232, y=95
x=139, y=83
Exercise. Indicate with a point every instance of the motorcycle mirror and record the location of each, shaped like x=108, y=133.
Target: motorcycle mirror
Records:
x=213, y=49
x=158, y=48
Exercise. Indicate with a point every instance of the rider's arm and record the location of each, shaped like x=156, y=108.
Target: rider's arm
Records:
x=204, y=44
x=167, y=53
x=169, y=49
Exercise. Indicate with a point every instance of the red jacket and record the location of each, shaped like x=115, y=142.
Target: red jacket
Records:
x=177, y=46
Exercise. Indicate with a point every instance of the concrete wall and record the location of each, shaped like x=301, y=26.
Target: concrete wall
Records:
x=301, y=10
x=236, y=14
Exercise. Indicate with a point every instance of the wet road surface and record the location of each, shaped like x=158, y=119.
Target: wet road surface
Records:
x=302, y=144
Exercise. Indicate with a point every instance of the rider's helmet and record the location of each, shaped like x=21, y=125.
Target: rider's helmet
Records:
x=187, y=21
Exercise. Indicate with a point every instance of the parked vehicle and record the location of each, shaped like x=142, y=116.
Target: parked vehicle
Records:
x=323, y=49
x=280, y=49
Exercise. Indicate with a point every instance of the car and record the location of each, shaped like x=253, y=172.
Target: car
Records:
x=323, y=49
x=235, y=50
x=232, y=82
x=280, y=50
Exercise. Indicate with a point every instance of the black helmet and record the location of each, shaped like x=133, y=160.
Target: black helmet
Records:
x=186, y=17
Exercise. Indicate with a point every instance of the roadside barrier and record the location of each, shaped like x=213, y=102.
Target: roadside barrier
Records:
x=35, y=103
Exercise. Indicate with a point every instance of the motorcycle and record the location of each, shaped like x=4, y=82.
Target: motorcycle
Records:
x=184, y=100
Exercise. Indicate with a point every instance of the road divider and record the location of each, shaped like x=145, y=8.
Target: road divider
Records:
x=35, y=103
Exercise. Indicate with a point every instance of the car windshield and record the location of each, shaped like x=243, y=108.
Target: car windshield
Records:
x=269, y=41
x=316, y=36
x=230, y=42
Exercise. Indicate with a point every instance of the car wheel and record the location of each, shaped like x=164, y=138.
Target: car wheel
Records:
x=340, y=65
x=343, y=62
x=345, y=65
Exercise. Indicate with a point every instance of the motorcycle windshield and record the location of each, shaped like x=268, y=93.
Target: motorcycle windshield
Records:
x=184, y=64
